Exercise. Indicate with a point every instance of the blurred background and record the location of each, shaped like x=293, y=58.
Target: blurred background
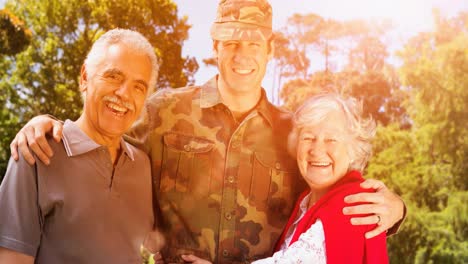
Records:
x=406, y=59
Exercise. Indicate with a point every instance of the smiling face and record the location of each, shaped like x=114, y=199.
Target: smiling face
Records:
x=242, y=64
x=115, y=94
x=322, y=152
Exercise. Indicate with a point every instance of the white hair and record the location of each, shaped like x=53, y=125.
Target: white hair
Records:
x=360, y=130
x=129, y=38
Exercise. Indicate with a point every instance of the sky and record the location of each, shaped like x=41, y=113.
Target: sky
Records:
x=409, y=16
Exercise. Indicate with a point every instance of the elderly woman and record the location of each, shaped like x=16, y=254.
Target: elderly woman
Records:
x=332, y=144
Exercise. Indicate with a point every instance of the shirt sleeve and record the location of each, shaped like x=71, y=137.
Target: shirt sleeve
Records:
x=309, y=248
x=20, y=228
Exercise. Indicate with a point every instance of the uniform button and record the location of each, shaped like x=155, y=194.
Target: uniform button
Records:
x=278, y=165
x=225, y=253
x=187, y=147
x=228, y=216
x=231, y=179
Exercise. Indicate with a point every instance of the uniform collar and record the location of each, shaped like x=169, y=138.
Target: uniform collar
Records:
x=76, y=142
x=210, y=97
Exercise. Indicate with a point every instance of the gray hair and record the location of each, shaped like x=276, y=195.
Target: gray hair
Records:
x=129, y=38
x=361, y=130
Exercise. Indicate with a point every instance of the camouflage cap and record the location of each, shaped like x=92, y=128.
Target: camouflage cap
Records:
x=242, y=20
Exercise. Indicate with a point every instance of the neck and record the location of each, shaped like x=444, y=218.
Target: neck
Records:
x=239, y=101
x=111, y=142
x=315, y=195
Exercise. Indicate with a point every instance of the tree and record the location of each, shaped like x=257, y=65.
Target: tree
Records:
x=14, y=37
x=427, y=163
x=363, y=73
x=44, y=77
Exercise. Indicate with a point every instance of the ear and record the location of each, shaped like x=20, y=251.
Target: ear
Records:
x=215, y=48
x=271, y=50
x=83, y=79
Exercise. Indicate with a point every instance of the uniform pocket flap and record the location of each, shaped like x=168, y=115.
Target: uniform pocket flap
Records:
x=187, y=143
x=276, y=160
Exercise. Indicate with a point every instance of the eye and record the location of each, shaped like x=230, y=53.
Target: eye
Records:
x=331, y=139
x=230, y=44
x=307, y=138
x=140, y=88
x=113, y=77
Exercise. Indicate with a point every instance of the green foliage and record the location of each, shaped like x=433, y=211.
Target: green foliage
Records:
x=427, y=163
x=14, y=37
x=364, y=72
x=44, y=77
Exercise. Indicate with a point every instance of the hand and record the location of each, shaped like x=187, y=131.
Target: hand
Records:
x=194, y=259
x=385, y=207
x=33, y=135
x=151, y=246
x=155, y=258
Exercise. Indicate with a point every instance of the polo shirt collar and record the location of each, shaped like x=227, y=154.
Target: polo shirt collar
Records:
x=210, y=97
x=76, y=142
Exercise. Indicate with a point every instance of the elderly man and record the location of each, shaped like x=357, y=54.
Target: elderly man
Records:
x=93, y=203
x=218, y=152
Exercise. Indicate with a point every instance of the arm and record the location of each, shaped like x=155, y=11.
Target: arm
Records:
x=386, y=209
x=33, y=135
x=194, y=259
x=309, y=248
x=20, y=217
x=10, y=256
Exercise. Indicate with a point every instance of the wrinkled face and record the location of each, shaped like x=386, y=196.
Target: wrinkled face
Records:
x=322, y=151
x=242, y=64
x=116, y=92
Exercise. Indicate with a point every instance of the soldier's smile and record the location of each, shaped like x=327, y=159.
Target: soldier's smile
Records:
x=243, y=71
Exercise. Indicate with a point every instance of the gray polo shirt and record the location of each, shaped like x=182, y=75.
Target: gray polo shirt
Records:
x=80, y=208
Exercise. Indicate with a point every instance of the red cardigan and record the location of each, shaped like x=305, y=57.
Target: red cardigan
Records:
x=344, y=243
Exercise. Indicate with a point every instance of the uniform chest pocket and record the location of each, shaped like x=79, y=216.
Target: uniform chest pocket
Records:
x=186, y=164
x=274, y=181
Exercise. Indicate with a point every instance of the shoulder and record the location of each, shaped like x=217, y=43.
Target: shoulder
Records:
x=54, y=145
x=161, y=105
x=169, y=95
x=335, y=198
x=334, y=220
x=281, y=118
x=280, y=112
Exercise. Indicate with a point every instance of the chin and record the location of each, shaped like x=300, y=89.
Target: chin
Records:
x=116, y=130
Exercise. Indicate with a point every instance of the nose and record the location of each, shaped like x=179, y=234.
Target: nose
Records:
x=124, y=90
x=317, y=147
x=242, y=55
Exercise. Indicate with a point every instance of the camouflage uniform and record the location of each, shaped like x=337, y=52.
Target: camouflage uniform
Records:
x=226, y=188
x=242, y=20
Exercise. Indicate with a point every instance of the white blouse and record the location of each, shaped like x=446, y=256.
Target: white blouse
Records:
x=309, y=248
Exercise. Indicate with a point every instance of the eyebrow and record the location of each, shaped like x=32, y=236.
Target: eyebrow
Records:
x=113, y=71
x=119, y=72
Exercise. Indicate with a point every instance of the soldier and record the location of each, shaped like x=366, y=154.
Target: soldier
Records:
x=225, y=182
